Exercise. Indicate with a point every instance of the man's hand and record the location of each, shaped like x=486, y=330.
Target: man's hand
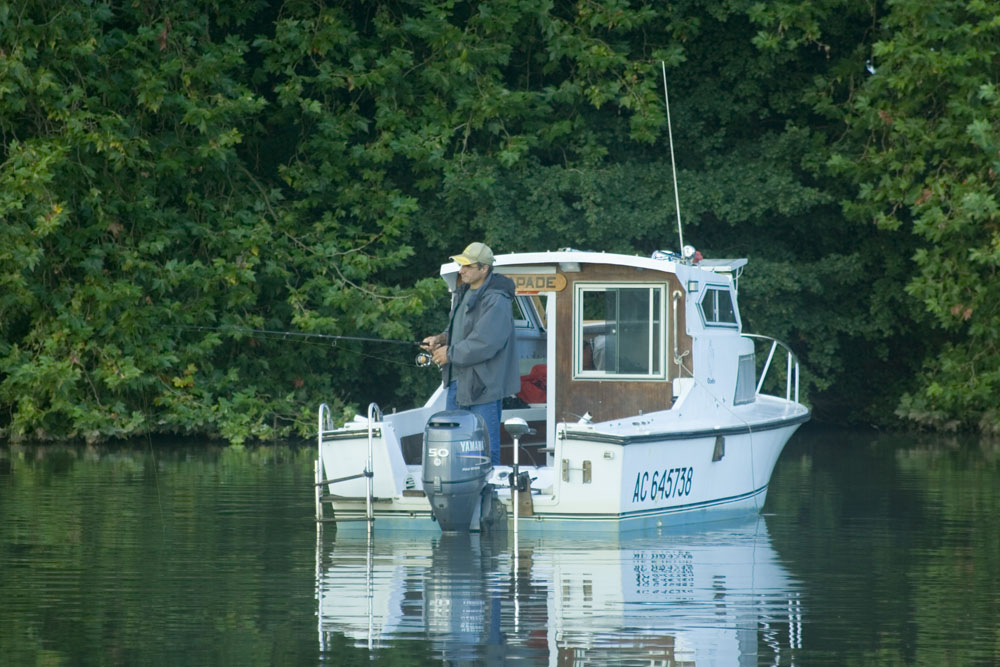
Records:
x=431, y=343
x=440, y=355
x=436, y=345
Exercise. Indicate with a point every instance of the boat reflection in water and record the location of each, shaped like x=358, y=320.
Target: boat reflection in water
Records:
x=715, y=596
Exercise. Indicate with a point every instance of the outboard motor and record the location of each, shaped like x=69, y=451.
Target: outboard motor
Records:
x=456, y=465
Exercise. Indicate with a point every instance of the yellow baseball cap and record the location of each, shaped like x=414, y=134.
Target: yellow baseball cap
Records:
x=475, y=253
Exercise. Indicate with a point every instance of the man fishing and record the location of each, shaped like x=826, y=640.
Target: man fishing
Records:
x=477, y=352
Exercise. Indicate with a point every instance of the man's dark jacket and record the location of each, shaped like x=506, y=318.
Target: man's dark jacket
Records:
x=484, y=360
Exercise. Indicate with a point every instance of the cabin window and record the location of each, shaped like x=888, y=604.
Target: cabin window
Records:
x=521, y=319
x=618, y=331
x=717, y=307
x=529, y=312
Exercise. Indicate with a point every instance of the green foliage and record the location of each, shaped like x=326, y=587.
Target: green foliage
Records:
x=918, y=156
x=133, y=213
x=927, y=119
x=171, y=177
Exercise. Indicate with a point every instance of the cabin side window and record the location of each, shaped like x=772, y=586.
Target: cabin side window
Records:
x=746, y=381
x=618, y=331
x=717, y=308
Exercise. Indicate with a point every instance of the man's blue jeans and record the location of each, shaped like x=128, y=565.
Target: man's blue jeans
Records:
x=490, y=412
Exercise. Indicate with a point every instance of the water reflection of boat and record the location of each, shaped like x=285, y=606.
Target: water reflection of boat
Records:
x=711, y=597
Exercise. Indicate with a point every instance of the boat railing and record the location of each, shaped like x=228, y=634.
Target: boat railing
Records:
x=325, y=424
x=791, y=365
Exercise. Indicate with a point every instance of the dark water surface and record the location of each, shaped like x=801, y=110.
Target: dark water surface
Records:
x=873, y=550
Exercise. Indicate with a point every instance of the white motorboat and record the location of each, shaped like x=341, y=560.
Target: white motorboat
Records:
x=649, y=406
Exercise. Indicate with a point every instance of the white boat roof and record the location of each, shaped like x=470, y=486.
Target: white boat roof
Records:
x=569, y=256
x=722, y=265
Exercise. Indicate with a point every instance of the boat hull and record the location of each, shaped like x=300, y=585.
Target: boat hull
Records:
x=600, y=483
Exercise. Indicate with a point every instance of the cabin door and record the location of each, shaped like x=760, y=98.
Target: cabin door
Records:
x=532, y=401
x=613, y=332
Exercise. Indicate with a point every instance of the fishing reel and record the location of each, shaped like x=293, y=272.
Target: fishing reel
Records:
x=424, y=359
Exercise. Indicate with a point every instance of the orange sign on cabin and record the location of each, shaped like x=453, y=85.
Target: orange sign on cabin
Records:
x=533, y=283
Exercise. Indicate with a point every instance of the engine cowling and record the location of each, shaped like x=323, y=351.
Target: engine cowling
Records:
x=456, y=465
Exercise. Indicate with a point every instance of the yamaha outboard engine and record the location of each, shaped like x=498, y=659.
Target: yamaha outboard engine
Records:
x=456, y=465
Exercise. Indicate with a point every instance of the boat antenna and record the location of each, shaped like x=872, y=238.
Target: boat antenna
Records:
x=673, y=167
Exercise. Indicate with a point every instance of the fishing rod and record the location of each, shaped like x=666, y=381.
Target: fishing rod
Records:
x=423, y=358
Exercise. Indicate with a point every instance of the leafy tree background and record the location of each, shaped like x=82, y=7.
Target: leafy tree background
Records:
x=173, y=173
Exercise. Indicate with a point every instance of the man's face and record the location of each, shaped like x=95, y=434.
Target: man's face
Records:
x=473, y=275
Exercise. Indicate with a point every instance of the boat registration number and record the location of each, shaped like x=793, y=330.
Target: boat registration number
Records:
x=670, y=483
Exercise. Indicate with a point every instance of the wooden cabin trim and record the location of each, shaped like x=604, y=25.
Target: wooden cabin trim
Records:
x=607, y=399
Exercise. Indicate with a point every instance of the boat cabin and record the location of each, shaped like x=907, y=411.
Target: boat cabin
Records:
x=603, y=337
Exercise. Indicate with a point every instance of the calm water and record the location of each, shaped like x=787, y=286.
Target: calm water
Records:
x=873, y=550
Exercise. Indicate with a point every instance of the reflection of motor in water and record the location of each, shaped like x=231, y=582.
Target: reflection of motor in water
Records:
x=461, y=611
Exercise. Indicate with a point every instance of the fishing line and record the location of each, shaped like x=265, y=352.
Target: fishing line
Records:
x=364, y=355
x=304, y=334
x=422, y=359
